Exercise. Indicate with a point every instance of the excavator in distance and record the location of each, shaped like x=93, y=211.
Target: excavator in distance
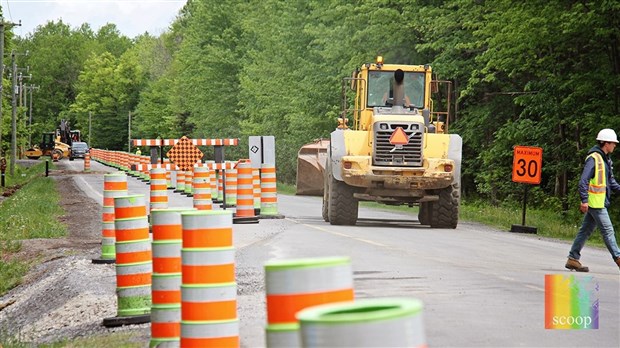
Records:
x=55, y=144
x=396, y=150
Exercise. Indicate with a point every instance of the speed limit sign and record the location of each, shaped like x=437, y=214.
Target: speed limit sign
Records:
x=527, y=165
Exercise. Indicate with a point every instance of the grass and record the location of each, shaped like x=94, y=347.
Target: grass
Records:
x=32, y=212
x=121, y=340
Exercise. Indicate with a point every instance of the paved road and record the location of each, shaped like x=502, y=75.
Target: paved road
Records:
x=481, y=287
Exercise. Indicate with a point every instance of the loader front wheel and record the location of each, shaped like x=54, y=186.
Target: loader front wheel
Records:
x=445, y=212
x=325, y=207
x=343, y=207
x=424, y=214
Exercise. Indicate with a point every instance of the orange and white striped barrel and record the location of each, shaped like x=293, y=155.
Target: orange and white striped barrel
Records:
x=133, y=256
x=189, y=176
x=87, y=162
x=212, y=179
x=231, y=186
x=180, y=181
x=268, y=190
x=201, y=188
x=145, y=161
x=245, y=190
x=159, y=189
x=114, y=185
x=208, y=265
x=256, y=187
x=221, y=334
x=293, y=285
x=220, y=184
x=382, y=322
x=130, y=206
x=166, y=287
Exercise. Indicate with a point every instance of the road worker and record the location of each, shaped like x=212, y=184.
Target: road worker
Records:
x=595, y=186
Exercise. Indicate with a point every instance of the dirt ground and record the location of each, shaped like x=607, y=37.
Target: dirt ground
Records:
x=65, y=295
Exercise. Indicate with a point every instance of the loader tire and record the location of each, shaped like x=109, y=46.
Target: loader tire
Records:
x=445, y=212
x=343, y=207
x=424, y=214
x=59, y=153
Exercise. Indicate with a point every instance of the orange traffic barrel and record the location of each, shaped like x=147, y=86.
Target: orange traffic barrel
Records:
x=166, y=279
x=133, y=263
x=131, y=206
x=180, y=181
x=159, y=189
x=256, y=187
x=212, y=180
x=245, y=190
x=208, y=265
x=382, y=322
x=87, y=162
x=209, y=302
x=231, y=187
x=221, y=334
x=114, y=185
x=189, y=175
x=220, y=185
x=293, y=285
x=201, y=188
x=268, y=189
x=207, y=229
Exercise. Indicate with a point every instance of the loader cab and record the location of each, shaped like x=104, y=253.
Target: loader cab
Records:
x=381, y=93
x=48, y=141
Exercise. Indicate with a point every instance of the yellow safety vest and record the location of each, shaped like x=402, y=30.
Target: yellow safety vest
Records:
x=597, y=189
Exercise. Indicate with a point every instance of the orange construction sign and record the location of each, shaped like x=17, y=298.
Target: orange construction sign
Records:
x=184, y=154
x=527, y=165
x=399, y=137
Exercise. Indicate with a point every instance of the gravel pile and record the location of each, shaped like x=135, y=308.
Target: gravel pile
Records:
x=69, y=298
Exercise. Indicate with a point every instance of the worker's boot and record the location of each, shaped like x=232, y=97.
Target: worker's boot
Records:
x=618, y=262
x=573, y=264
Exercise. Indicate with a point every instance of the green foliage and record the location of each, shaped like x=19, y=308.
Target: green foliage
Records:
x=537, y=73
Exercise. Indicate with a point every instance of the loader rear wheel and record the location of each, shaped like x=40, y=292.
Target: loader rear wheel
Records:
x=424, y=214
x=445, y=212
x=343, y=207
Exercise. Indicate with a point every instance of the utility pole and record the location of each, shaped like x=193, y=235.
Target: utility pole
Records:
x=14, y=115
x=32, y=87
x=9, y=25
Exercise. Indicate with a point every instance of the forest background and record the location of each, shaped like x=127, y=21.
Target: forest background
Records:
x=535, y=73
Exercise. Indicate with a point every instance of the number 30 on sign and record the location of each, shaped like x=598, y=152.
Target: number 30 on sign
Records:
x=527, y=165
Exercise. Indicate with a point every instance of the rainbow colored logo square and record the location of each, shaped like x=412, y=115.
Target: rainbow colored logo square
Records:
x=571, y=303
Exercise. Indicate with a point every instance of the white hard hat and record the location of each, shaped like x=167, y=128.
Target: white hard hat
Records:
x=608, y=135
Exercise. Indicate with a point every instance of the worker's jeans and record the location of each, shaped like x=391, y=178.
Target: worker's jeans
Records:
x=592, y=219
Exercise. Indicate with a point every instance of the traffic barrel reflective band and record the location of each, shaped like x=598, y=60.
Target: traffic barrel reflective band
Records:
x=133, y=300
x=293, y=285
x=167, y=223
x=207, y=266
x=166, y=256
x=134, y=274
x=87, y=162
x=221, y=334
x=384, y=322
x=109, y=195
x=209, y=302
x=231, y=186
x=133, y=251
x=131, y=229
x=268, y=189
x=207, y=229
x=201, y=188
x=166, y=288
x=245, y=190
x=256, y=187
x=220, y=185
x=165, y=326
x=126, y=207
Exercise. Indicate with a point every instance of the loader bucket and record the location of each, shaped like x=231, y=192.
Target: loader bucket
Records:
x=311, y=160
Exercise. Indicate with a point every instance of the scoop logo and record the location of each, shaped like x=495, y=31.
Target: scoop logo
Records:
x=571, y=303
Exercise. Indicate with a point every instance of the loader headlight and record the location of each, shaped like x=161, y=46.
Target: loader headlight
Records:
x=447, y=168
x=383, y=126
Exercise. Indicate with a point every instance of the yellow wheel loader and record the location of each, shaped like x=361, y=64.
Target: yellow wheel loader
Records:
x=58, y=143
x=397, y=150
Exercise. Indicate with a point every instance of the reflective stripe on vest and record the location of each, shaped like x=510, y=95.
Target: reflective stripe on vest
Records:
x=597, y=188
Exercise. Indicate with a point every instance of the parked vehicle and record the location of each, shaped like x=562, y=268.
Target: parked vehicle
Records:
x=78, y=150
